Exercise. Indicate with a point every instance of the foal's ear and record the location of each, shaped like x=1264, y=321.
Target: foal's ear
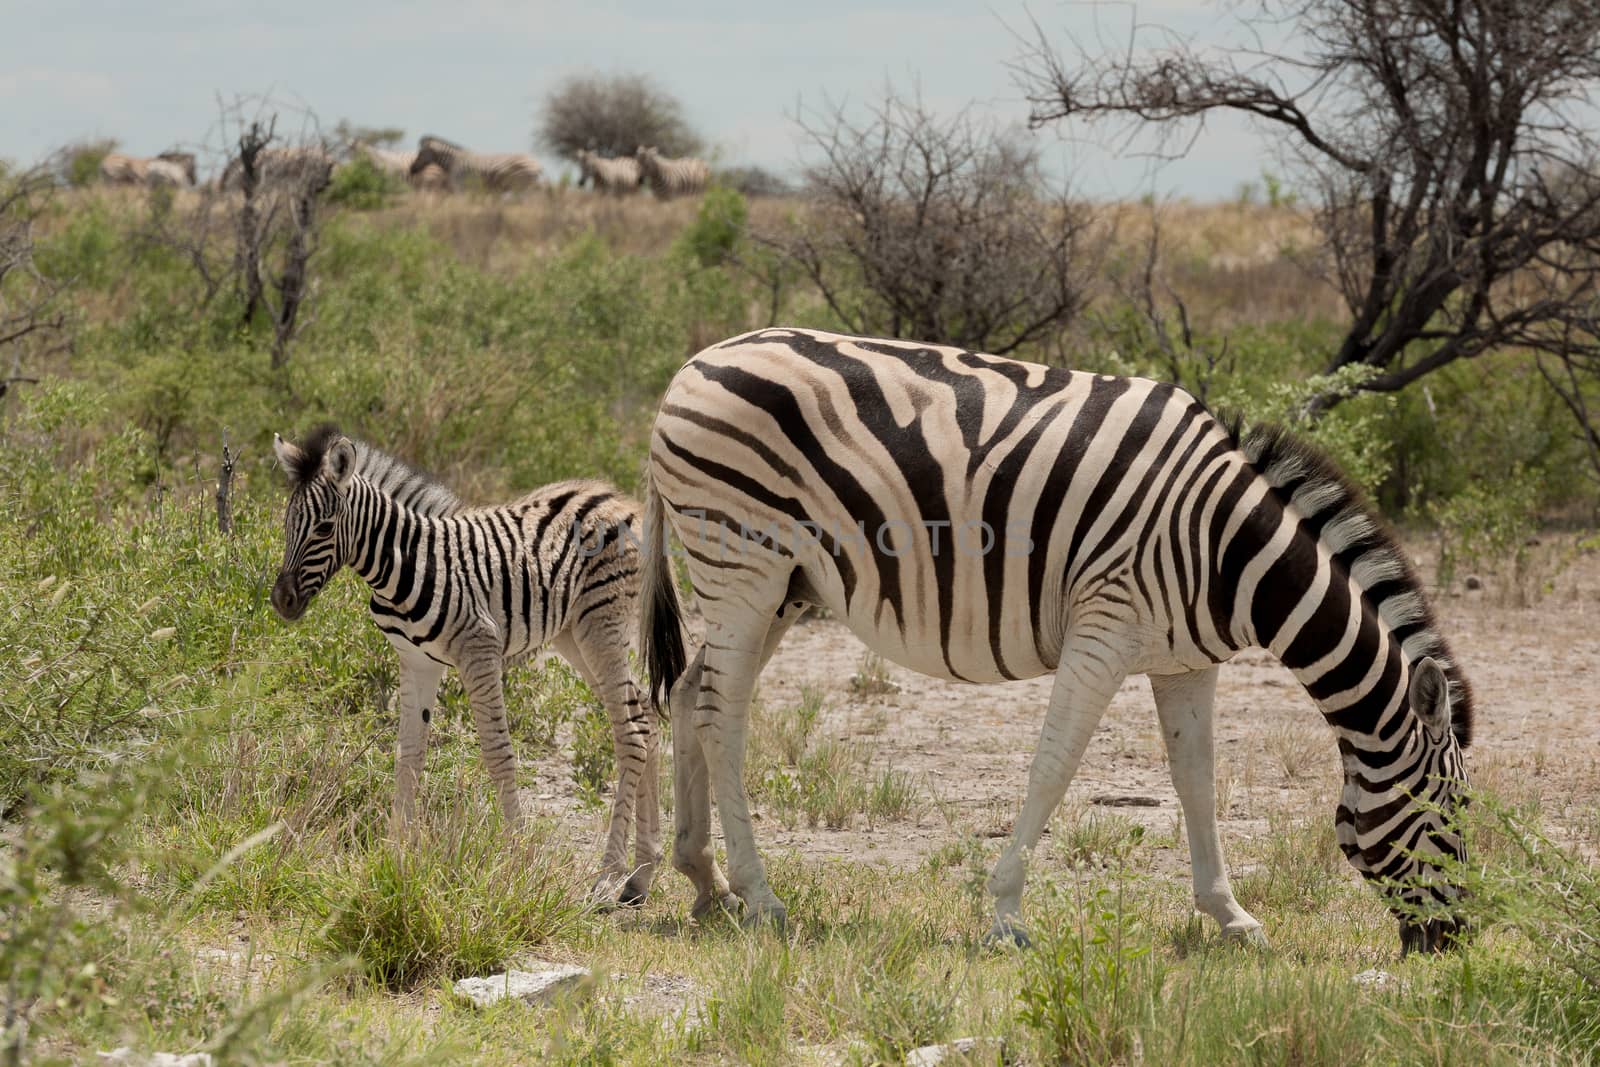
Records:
x=339, y=461
x=1430, y=696
x=290, y=457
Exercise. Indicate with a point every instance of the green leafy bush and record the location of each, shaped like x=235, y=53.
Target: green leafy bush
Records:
x=359, y=184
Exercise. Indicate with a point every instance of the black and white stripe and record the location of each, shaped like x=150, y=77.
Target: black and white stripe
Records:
x=668, y=177
x=618, y=176
x=981, y=519
x=500, y=172
x=481, y=589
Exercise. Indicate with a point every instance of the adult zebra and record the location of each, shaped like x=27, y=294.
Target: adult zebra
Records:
x=979, y=519
x=308, y=167
x=479, y=589
x=618, y=176
x=384, y=160
x=668, y=177
x=169, y=168
x=498, y=172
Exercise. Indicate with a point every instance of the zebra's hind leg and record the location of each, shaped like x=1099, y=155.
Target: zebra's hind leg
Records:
x=692, y=854
x=732, y=664
x=596, y=652
x=1086, y=680
x=419, y=687
x=1184, y=703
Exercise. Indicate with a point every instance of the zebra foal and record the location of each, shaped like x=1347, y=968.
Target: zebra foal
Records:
x=981, y=519
x=481, y=589
x=668, y=177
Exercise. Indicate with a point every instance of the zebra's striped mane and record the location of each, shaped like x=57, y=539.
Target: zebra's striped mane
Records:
x=430, y=141
x=1337, y=511
x=389, y=475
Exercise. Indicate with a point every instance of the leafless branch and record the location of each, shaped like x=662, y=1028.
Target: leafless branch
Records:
x=940, y=229
x=1450, y=142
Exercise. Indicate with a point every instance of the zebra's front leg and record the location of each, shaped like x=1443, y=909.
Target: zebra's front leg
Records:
x=1184, y=703
x=482, y=671
x=419, y=687
x=1086, y=680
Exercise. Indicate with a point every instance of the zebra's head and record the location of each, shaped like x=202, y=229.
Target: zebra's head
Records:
x=1395, y=823
x=437, y=151
x=319, y=476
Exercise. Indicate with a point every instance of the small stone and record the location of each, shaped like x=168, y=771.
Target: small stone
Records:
x=1124, y=800
x=1473, y=582
x=131, y=1058
x=962, y=1050
x=530, y=987
x=1376, y=979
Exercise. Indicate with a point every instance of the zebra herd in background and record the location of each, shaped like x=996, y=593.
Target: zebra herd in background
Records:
x=967, y=516
x=436, y=166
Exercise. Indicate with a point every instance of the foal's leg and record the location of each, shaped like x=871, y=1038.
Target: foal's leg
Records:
x=598, y=653
x=1184, y=703
x=482, y=672
x=419, y=686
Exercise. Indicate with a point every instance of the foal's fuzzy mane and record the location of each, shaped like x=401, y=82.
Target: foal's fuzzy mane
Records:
x=390, y=475
x=1307, y=480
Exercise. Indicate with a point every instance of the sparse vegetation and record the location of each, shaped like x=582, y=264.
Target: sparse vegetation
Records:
x=184, y=779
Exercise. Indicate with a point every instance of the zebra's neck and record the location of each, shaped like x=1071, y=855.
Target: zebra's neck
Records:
x=395, y=479
x=385, y=541
x=1319, y=582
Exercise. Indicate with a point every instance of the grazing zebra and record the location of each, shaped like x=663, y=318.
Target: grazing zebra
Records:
x=169, y=168
x=617, y=176
x=979, y=519
x=310, y=167
x=383, y=160
x=480, y=589
x=498, y=172
x=669, y=177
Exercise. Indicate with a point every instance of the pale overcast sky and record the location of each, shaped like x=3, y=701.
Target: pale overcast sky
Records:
x=149, y=72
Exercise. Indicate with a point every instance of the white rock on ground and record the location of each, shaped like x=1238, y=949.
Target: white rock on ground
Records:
x=963, y=1049
x=1376, y=979
x=131, y=1058
x=530, y=987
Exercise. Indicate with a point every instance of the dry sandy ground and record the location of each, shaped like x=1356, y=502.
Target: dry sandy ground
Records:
x=967, y=748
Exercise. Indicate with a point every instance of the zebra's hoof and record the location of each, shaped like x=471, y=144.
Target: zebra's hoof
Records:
x=725, y=904
x=1250, y=935
x=632, y=896
x=1007, y=934
x=774, y=917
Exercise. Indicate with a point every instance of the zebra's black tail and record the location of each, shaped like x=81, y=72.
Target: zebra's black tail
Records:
x=660, y=618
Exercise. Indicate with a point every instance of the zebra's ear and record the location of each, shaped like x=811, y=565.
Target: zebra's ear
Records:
x=340, y=461
x=290, y=458
x=1430, y=697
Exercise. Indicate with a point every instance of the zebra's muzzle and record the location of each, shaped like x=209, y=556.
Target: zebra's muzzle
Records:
x=1434, y=935
x=286, y=599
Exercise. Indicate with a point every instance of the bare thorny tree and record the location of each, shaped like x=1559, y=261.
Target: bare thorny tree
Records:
x=30, y=323
x=254, y=232
x=1451, y=147
x=937, y=229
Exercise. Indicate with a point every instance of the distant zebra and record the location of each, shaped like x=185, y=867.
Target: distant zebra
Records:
x=980, y=519
x=617, y=176
x=283, y=166
x=498, y=172
x=669, y=177
x=385, y=161
x=169, y=168
x=480, y=589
